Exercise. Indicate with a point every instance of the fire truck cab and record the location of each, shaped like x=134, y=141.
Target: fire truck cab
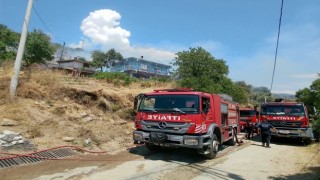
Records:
x=289, y=118
x=186, y=118
x=248, y=115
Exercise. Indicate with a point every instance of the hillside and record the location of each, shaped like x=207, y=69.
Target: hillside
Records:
x=284, y=96
x=54, y=109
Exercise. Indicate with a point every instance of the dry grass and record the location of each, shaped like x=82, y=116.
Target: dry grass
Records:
x=42, y=84
x=6, y=69
x=51, y=105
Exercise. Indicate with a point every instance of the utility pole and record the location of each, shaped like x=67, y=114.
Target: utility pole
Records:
x=17, y=64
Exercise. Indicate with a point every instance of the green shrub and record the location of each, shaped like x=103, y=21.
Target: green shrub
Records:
x=117, y=78
x=316, y=127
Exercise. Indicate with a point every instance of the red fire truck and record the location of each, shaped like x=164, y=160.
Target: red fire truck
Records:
x=289, y=118
x=248, y=115
x=185, y=118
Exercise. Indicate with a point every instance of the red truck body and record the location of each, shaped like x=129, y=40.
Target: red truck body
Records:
x=289, y=118
x=185, y=118
x=248, y=115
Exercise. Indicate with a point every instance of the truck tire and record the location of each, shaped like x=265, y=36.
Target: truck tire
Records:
x=213, y=148
x=307, y=141
x=152, y=147
x=233, y=139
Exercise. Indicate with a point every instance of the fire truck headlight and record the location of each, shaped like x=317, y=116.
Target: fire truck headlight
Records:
x=137, y=137
x=192, y=142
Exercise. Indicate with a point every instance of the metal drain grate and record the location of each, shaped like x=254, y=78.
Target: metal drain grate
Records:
x=36, y=157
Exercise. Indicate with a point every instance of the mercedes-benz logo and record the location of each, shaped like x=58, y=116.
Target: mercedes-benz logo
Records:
x=283, y=122
x=162, y=125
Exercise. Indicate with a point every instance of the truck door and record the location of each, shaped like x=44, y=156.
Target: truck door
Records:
x=206, y=110
x=224, y=122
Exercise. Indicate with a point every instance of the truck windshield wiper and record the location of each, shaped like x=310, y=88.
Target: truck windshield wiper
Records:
x=178, y=110
x=149, y=109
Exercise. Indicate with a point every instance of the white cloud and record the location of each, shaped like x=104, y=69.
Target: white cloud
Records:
x=102, y=28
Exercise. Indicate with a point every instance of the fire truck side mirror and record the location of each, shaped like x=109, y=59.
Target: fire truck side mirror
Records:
x=205, y=107
x=205, y=110
x=136, y=101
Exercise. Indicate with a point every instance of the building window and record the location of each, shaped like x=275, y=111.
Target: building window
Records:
x=143, y=67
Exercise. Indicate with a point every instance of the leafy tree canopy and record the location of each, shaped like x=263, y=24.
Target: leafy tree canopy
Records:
x=236, y=91
x=310, y=96
x=9, y=41
x=112, y=56
x=247, y=88
x=98, y=58
x=101, y=59
x=199, y=70
x=38, y=48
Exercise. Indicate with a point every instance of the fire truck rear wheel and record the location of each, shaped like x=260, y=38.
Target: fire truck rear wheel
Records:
x=213, y=148
x=233, y=139
x=152, y=147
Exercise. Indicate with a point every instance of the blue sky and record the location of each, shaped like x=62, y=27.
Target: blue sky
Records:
x=243, y=33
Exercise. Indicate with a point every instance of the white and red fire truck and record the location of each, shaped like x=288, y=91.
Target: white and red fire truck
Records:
x=248, y=115
x=289, y=118
x=186, y=118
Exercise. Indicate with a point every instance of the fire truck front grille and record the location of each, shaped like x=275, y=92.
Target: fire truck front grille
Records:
x=170, y=127
x=289, y=124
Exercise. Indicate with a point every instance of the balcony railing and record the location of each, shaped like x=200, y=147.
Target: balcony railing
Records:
x=137, y=68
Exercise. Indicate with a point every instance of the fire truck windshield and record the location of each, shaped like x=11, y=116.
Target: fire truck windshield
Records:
x=282, y=110
x=247, y=113
x=170, y=103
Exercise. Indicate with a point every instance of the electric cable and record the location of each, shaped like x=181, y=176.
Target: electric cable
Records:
x=275, y=57
x=44, y=24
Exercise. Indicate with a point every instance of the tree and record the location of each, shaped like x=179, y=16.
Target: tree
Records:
x=107, y=59
x=235, y=90
x=310, y=96
x=261, y=94
x=9, y=41
x=199, y=70
x=98, y=59
x=315, y=88
x=247, y=88
x=111, y=57
x=39, y=48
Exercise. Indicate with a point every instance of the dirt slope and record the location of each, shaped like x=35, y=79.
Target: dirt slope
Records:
x=52, y=106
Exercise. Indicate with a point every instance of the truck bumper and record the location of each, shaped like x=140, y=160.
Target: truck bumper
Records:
x=173, y=140
x=305, y=133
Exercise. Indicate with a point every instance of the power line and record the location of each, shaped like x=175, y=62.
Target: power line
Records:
x=44, y=24
x=275, y=57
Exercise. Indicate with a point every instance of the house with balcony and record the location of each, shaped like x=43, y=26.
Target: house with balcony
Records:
x=138, y=67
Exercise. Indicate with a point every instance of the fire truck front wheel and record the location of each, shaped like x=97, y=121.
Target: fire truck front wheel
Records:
x=212, y=149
